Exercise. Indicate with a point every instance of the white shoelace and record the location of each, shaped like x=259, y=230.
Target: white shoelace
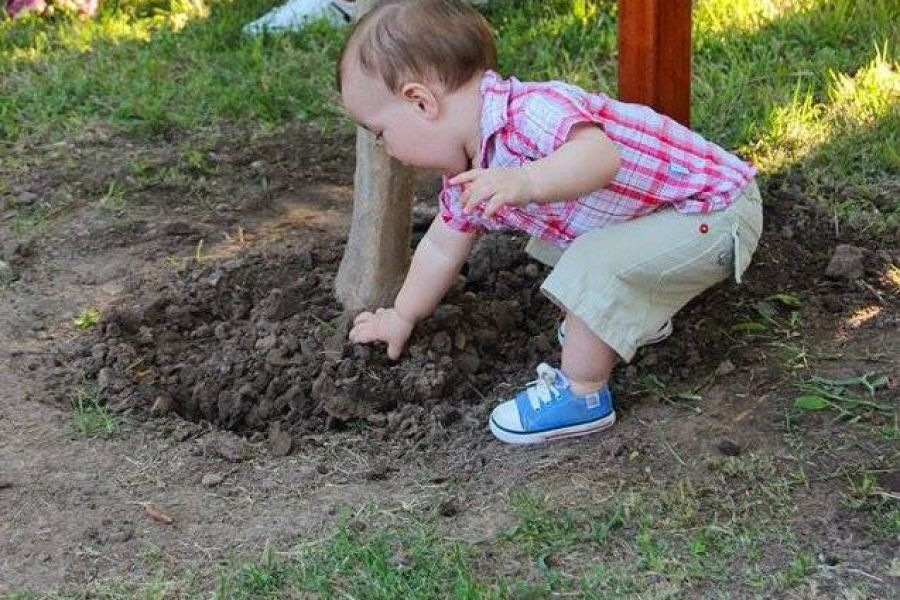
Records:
x=543, y=390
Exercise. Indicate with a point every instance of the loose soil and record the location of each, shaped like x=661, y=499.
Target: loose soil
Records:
x=251, y=419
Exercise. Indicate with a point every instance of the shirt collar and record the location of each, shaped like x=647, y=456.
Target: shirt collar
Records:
x=494, y=107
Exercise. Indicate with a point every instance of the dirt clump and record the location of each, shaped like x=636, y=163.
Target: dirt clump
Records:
x=259, y=338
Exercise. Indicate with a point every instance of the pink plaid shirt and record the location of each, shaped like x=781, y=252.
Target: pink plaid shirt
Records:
x=662, y=162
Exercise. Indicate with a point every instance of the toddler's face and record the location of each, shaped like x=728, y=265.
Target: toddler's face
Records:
x=410, y=134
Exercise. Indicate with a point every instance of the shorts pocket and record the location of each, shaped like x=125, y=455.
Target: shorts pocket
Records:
x=684, y=271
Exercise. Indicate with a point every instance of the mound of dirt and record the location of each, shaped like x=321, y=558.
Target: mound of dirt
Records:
x=260, y=338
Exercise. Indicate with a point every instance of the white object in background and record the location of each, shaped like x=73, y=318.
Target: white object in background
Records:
x=295, y=13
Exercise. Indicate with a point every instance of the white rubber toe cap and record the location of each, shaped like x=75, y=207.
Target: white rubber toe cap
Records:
x=506, y=415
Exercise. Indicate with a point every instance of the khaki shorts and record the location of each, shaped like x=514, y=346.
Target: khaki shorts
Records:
x=626, y=280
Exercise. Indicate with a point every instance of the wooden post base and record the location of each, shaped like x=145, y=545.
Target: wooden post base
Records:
x=378, y=249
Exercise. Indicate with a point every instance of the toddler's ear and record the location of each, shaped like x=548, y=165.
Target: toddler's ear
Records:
x=422, y=98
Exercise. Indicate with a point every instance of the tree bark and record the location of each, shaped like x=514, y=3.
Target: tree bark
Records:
x=377, y=254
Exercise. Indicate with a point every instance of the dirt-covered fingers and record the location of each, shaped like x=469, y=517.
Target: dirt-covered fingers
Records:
x=365, y=328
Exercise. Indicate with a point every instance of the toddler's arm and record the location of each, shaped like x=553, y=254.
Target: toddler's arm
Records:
x=436, y=262
x=587, y=161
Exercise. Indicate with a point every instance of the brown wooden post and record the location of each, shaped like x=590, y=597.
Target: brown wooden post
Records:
x=655, y=55
x=377, y=253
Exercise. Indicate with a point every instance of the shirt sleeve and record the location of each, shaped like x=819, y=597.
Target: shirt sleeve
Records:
x=451, y=210
x=543, y=118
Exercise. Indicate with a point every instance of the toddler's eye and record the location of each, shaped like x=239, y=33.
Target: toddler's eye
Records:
x=379, y=136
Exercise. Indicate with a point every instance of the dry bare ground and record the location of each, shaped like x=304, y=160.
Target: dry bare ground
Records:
x=213, y=281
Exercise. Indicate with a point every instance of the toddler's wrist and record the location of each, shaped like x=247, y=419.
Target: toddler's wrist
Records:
x=532, y=183
x=410, y=321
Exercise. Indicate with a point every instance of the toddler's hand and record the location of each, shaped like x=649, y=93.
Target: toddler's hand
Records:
x=498, y=186
x=384, y=325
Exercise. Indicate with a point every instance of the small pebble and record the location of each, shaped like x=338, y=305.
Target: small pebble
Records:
x=726, y=367
x=161, y=406
x=729, y=448
x=26, y=199
x=449, y=507
x=212, y=480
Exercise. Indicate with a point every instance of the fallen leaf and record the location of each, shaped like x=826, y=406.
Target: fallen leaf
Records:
x=158, y=515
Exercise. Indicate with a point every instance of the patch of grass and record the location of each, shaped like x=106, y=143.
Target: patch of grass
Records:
x=809, y=87
x=890, y=431
x=90, y=417
x=887, y=519
x=690, y=535
x=685, y=538
x=39, y=218
x=840, y=396
x=113, y=201
x=796, y=571
x=255, y=579
x=540, y=40
x=151, y=66
x=386, y=564
x=775, y=317
x=649, y=384
x=87, y=319
x=728, y=531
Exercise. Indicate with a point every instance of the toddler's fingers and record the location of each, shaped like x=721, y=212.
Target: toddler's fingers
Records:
x=493, y=206
x=356, y=335
x=478, y=196
x=470, y=205
x=393, y=350
x=363, y=333
x=362, y=317
x=464, y=177
x=464, y=202
x=472, y=202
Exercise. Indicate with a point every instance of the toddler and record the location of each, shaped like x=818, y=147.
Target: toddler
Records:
x=636, y=213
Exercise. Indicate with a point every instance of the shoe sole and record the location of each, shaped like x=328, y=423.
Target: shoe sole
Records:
x=555, y=434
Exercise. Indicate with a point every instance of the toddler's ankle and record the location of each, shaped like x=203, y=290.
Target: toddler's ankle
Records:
x=583, y=388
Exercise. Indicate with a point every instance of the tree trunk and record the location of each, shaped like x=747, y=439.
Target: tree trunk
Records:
x=377, y=254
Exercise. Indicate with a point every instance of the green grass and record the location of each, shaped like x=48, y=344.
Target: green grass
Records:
x=90, y=418
x=87, y=318
x=841, y=396
x=810, y=86
x=160, y=67
x=728, y=530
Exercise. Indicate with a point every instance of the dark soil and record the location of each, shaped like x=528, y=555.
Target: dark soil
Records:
x=258, y=338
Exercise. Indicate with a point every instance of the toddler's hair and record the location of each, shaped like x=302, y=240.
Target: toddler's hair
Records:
x=439, y=41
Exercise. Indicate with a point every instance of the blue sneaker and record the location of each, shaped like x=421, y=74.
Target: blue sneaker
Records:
x=548, y=410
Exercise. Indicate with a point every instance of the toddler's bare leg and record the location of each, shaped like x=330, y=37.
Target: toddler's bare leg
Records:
x=586, y=360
